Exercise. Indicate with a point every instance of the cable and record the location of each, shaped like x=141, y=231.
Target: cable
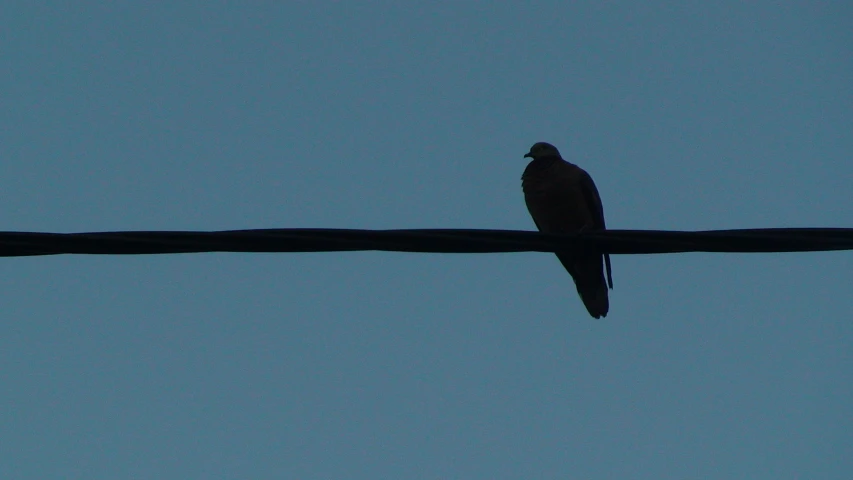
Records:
x=15, y=244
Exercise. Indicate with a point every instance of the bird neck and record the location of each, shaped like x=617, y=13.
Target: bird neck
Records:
x=539, y=164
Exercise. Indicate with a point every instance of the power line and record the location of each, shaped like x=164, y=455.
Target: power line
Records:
x=14, y=244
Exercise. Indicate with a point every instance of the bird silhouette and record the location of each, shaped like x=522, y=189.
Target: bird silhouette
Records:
x=562, y=198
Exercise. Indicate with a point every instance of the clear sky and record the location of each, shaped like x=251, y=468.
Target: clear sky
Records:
x=232, y=115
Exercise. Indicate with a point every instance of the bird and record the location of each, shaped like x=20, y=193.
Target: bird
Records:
x=562, y=198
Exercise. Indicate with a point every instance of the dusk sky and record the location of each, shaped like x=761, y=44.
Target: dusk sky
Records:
x=380, y=115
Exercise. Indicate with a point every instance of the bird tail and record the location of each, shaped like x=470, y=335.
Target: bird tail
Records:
x=595, y=299
x=587, y=272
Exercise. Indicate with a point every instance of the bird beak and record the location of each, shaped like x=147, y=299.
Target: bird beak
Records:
x=526, y=155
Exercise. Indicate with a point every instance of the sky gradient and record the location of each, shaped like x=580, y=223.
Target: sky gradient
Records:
x=231, y=115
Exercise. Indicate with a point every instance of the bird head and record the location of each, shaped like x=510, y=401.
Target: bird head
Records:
x=542, y=149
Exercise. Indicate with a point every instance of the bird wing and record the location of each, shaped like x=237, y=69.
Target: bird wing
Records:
x=593, y=200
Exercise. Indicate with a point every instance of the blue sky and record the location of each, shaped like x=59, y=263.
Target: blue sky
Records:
x=230, y=115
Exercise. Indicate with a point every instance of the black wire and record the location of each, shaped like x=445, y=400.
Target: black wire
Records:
x=14, y=244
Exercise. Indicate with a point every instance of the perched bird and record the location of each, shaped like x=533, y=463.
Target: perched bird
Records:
x=562, y=198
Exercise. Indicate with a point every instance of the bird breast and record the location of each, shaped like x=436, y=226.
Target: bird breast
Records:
x=555, y=198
